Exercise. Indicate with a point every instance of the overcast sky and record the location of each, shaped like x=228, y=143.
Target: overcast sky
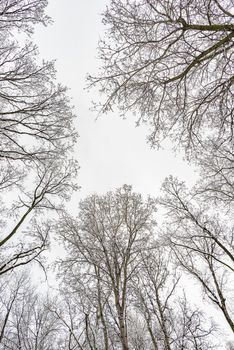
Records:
x=111, y=151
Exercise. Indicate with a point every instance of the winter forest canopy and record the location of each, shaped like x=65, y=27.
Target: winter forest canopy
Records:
x=135, y=272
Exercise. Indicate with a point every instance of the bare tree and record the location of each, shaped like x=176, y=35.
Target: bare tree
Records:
x=169, y=321
x=27, y=323
x=171, y=62
x=77, y=321
x=36, y=173
x=22, y=15
x=37, y=135
x=26, y=235
x=121, y=281
x=216, y=183
x=9, y=294
x=104, y=246
x=35, y=118
x=26, y=249
x=202, y=244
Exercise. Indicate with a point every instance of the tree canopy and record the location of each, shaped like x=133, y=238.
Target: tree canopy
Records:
x=171, y=62
x=123, y=279
x=37, y=136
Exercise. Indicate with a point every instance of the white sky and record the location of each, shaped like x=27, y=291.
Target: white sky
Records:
x=111, y=151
